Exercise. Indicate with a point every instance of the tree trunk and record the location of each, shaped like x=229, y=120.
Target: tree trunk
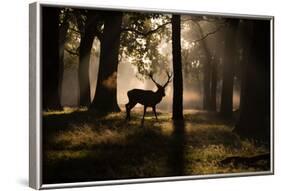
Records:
x=206, y=71
x=206, y=78
x=86, y=44
x=50, y=51
x=245, y=43
x=214, y=79
x=105, y=99
x=62, y=38
x=228, y=69
x=254, y=119
x=177, y=68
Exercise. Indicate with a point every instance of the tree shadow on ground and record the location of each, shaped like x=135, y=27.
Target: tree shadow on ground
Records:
x=177, y=152
x=84, y=146
x=142, y=156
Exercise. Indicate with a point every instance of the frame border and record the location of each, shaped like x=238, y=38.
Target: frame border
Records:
x=35, y=97
x=35, y=139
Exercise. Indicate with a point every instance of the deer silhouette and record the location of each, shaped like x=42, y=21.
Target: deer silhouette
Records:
x=147, y=98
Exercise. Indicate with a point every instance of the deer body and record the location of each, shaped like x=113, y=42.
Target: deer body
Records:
x=147, y=98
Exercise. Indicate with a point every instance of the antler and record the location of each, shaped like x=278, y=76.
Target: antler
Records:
x=169, y=78
x=151, y=77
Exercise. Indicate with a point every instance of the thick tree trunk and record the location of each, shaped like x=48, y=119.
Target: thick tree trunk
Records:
x=214, y=79
x=105, y=99
x=254, y=119
x=84, y=58
x=177, y=68
x=228, y=69
x=62, y=38
x=245, y=40
x=50, y=51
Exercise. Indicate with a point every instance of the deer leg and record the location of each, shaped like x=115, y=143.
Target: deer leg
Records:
x=129, y=106
x=144, y=111
x=128, y=111
x=154, y=111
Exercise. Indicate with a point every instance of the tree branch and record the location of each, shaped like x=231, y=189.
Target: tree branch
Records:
x=250, y=161
x=71, y=52
x=145, y=34
x=208, y=34
x=74, y=30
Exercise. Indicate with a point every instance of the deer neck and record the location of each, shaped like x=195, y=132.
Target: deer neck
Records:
x=159, y=96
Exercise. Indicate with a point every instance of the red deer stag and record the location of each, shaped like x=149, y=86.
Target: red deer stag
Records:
x=147, y=98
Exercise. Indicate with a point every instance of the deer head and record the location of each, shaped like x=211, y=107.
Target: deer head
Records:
x=161, y=89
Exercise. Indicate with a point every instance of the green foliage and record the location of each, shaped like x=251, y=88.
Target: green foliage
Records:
x=72, y=40
x=141, y=36
x=140, y=41
x=144, y=37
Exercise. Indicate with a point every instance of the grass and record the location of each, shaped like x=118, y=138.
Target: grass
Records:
x=83, y=146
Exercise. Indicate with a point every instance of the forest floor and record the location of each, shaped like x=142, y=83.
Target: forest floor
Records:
x=82, y=146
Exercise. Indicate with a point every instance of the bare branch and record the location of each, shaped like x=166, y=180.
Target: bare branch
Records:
x=74, y=30
x=71, y=52
x=208, y=34
x=145, y=34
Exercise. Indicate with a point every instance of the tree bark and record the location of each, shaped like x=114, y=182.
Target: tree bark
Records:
x=86, y=44
x=228, y=69
x=50, y=51
x=214, y=79
x=105, y=99
x=206, y=78
x=62, y=38
x=245, y=43
x=177, y=68
x=254, y=119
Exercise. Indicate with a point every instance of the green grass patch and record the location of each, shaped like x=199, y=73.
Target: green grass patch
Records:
x=83, y=146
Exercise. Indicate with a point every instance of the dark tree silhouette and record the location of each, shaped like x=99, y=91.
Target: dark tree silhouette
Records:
x=87, y=38
x=217, y=58
x=105, y=99
x=245, y=42
x=206, y=78
x=177, y=68
x=214, y=79
x=177, y=154
x=50, y=50
x=254, y=120
x=230, y=55
x=64, y=25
